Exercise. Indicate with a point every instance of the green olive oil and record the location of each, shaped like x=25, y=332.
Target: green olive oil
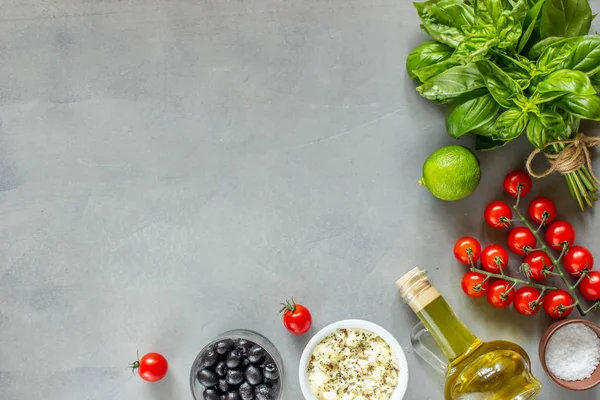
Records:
x=477, y=370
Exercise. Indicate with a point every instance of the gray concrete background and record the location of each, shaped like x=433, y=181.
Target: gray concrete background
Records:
x=172, y=170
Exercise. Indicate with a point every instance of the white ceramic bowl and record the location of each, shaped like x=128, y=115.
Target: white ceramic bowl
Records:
x=398, y=393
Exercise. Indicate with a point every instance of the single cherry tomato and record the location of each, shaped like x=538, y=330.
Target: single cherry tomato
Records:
x=577, y=259
x=296, y=317
x=527, y=300
x=590, y=286
x=474, y=284
x=521, y=240
x=558, y=303
x=500, y=293
x=151, y=367
x=536, y=265
x=559, y=234
x=467, y=250
x=542, y=210
x=497, y=214
x=494, y=259
x=516, y=180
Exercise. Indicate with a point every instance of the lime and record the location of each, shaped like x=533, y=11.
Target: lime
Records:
x=451, y=173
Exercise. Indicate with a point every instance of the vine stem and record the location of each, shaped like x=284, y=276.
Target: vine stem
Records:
x=511, y=279
x=555, y=262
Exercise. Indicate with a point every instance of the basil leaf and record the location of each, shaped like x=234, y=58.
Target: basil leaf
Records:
x=470, y=112
x=510, y=124
x=443, y=20
x=554, y=125
x=425, y=55
x=473, y=49
x=519, y=76
x=484, y=143
x=584, y=107
x=542, y=45
x=531, y=20
x=536, y=132
x=519, y=11
x=488, y=11
x=501, y=85
x=450, y=84
x=596, y=81
x=556, y=55
x=566, y=81
x=566, y=18
x=508, y=32
x=426, y=73
x=585, y=56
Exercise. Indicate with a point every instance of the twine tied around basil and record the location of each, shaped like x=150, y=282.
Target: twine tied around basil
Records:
x=570, y=159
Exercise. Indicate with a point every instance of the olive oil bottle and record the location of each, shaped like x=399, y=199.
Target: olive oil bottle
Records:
x=477, y=370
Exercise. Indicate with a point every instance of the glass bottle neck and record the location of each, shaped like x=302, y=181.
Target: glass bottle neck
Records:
x=450, y=333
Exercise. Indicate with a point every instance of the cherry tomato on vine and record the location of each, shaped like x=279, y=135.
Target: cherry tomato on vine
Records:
x=535, y=263
x=500, y=293
x=474, y=284
x=467, y=250
x=151, y=367
x=542, y=209
x=558, y=233
x=521, y=240
x=590, y=286
x=296, y=318
x=516, y=179
x=577, y=259
x=494, y=257
x=558, y=303
x=527, y=300
x=497, y=214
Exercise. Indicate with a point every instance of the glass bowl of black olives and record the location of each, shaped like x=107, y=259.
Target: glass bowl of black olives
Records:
x=239, y=365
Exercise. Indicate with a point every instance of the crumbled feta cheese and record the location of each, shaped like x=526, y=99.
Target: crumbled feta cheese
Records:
x=353, y=364
x=573, y=352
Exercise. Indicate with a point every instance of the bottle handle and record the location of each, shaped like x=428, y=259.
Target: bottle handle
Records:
x=423, y=351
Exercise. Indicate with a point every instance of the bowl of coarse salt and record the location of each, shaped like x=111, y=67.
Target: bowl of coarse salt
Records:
x=570, y=353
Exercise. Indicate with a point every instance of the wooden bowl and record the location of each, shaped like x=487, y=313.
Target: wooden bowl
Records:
x=585, y=384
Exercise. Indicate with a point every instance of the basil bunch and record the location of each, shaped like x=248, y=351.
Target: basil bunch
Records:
x=505, y=67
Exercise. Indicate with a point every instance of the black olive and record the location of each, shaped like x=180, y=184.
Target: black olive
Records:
x=234, y=377
x=270, y=371
x=245, y=362
x=222, y=385
x=207, y=378
x=208, y=359
x=233, y=359
x=211, y=394
x=246, y=391
x=256, y=354
x=243, y=345
x=233, y=395
x=253, y=375
x=264, y=392
x=223, y=346
x=221, y=368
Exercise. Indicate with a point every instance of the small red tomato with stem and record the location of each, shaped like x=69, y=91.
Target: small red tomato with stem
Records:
x=558, y=303
x=589, y=287
x=467, y=250
x=578, y=259
x=151, y=367
x=521, y=240
x=537, y=265
x=500, y=293
x=517, y=183
x=528, y=300
x=497, y=214
x=542, y=210
x=494, y=259
x=296, y=317
x=559, y=235
x=474, y=284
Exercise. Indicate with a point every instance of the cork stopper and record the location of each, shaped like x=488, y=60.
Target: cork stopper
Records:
x=416, y=290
